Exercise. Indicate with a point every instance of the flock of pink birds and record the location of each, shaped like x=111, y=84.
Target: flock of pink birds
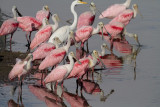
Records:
x=51, y=43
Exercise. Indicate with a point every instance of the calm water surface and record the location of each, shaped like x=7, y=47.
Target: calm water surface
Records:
x=134, y=73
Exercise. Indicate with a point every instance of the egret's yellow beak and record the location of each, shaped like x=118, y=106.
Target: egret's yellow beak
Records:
x=82, y=2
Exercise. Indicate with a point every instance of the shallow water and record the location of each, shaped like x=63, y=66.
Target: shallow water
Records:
x=134, y=77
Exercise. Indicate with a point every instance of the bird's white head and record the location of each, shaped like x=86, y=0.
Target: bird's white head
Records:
x=73, y=55
x=55, y=17
x=104, y=46
x=92, y=6
x=45, y=7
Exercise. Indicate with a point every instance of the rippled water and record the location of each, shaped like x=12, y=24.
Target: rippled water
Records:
x=132, y=77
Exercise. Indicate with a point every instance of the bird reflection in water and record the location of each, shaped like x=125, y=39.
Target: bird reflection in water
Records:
x=12, y=103
x=93, y=88
x=74, y=100
x=131, y=58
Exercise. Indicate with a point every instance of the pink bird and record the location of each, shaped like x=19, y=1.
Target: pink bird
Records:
x=21, y=67
x=87, y=62
x=10, y=26
x=45, y=32
x=44, y=13
x=115, y=9
x=125, y=16
x=85, y=32
x=61, y=72
x=56, y=56
x=45, y=48
x=28, y=24
x=87, y=18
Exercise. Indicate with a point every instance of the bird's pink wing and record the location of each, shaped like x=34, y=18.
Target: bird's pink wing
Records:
x=16, y=70
x=114, y=28
x=43, y=50
x=83, y=33
x=41, y=36
x=124, y=17
x=53, y=58
x=78, y=68
x=113, y=11
x=85, y=19
x=28, y=23
x=8, y=26
x=56, y=74
x=42, y=14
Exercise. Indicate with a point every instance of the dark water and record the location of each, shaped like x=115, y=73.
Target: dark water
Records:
x=134, y=77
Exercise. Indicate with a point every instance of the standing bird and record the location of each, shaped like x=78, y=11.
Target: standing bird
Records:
x=115, y=9
x=10, y=26
x=62, y=33
x=125, y=16
x=61, y=72
x=87, y=18
x=44, y=13
x=45, y=32
x=45, y=48
x=87, y=62
x=56, y=56
x=28, y=24
x=85, y=32
x=21, y=67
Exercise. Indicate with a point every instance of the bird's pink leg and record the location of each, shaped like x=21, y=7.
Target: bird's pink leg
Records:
x=93, y=73
x=27, y=37
x=11, y=41
x=87, y=46
x=30, y=37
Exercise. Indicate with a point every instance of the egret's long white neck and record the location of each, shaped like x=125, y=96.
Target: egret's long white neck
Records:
x=74, y=24
x=127, y=3
x=68, y=44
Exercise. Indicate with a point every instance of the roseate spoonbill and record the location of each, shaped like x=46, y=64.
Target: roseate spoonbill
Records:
x=115, y=9
x=21, y=67
x=87, y=18
x=61, y=72
x=63, y=32
x=45, y=32
x=56, y=55
x=85, y=32
x=44, y=13
x=10, y=26
x=45, y=48
x=28, y=24
x=87, y=62
x=125, y=16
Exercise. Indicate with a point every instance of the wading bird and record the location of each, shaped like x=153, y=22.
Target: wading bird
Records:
x=45, y=48
x=61, y=72
x=62, y=33
x=44, y=13
x=10, y=26
x=87, y=18
x=56, y=55
x=45, y=32
x=115, y=9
